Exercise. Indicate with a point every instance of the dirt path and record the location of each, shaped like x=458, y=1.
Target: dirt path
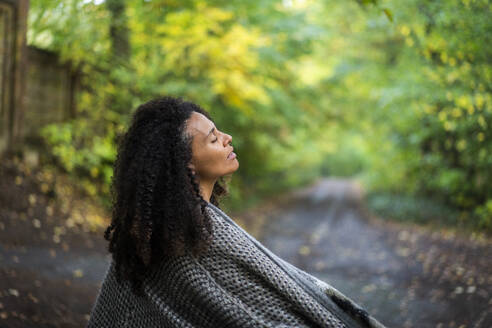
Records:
x=406, y=277
x=50, y=266
x=44, y=283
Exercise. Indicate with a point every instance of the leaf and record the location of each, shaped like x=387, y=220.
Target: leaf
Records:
x=304, y=250
x=36, y=223
x=458, y=290
x=369, y=288
x=14, y=292
x=78, y=273
x=388, y=13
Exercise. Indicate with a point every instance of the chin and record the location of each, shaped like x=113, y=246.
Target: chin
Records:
x=235, y=167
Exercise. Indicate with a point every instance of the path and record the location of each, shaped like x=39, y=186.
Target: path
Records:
x=404, y=276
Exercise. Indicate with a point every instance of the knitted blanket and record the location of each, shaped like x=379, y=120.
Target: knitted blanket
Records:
x=237, y=283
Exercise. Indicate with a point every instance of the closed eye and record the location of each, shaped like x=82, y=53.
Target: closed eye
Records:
x=215, y=140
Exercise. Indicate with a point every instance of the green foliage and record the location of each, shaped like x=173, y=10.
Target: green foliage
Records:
x=82, y=154
x=397, y=94
x=76, y=29
x=438, y=115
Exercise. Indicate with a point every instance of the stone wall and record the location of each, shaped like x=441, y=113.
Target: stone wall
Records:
x=35, y=89
x=7, y=56
x=49, y=93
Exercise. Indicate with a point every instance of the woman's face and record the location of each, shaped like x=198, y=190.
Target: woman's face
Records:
x=212, y=156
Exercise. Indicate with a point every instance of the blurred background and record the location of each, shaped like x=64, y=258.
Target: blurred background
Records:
x=361, y=128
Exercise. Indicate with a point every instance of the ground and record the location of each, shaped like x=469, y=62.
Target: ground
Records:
x=54, y=259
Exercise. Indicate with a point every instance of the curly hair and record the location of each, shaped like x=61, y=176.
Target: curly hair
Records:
x=157, y=208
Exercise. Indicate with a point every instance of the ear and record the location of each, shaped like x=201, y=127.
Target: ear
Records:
x=192, y=167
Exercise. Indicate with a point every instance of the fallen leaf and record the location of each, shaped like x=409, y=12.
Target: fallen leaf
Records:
x=33, y=298
x=70, y=223
x=32, y=199
x=320, y=265
x=36, y=223
x=304, y=250
x=14, y=292
x=368, y=288
x=403, y=251
x=45, y=188
x=49, y=211
x=78, y=273
x=403, y=235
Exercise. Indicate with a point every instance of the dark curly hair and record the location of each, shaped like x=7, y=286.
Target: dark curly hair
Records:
x=157, y=209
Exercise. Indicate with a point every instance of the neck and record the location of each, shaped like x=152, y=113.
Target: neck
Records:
x=206, y=188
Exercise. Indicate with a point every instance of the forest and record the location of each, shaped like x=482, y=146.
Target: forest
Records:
x=395, y=94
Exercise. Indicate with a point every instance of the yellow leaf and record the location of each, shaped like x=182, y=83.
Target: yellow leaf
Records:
x=482, y=122
x=461, y=145
x=304, y=250
x=404, y=30
x=94, y=171
x=444, y=57
x=479, y=100
x=456, y=112
x=32, y=199
x=463, y=101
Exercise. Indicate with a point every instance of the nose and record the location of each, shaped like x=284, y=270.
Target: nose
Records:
x=227, y=139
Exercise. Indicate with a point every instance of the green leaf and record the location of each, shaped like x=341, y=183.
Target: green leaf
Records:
x=388, y=13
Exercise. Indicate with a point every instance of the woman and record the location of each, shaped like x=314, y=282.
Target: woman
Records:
x=177, y=259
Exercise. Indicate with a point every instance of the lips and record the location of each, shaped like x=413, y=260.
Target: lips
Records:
x=231, y=155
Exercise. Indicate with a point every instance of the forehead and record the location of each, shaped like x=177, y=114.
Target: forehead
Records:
x=199, y=125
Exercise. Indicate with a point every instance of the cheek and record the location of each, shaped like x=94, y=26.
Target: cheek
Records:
x=209, y=160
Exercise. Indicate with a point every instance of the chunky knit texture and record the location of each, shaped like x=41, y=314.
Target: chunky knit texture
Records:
x=237, y=283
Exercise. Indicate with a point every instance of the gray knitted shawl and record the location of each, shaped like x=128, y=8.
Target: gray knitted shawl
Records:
x=237, y=283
